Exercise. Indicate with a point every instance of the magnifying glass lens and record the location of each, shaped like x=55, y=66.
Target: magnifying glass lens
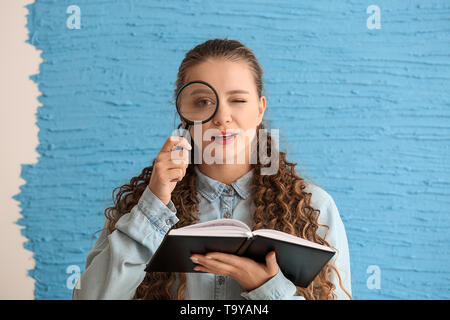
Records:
x=197, y=102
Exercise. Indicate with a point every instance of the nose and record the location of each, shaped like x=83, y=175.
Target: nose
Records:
x=223, y=115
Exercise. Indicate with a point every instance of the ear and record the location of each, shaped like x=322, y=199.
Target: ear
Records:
x=261, y=109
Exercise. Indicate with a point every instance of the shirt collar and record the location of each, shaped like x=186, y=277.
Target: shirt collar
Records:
x=211, y=188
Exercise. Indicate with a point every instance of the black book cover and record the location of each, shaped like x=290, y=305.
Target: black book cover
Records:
x=299, y=263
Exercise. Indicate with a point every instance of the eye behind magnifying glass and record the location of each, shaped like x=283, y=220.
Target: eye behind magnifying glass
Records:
x=203, y=103
x=197, y=102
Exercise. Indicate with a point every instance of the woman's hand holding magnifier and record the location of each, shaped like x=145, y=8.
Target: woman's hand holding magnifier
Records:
x=197, y=102
x=169, y=167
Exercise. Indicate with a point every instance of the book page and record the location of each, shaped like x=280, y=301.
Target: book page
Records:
x=279, y=235
x=214, y=231
x=233, y=223
x=209, y=233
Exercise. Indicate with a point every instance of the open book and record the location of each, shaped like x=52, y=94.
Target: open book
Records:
x=300, y=260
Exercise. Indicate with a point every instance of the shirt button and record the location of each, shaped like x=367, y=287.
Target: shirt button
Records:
x=230, y=191
x=168, y=221
x=227, y=215
x=221, y=280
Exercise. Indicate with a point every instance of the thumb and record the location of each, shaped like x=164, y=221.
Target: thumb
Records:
x=271, y=263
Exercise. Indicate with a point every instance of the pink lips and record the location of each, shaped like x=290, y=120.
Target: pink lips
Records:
x=224, y=141
x=221, y=140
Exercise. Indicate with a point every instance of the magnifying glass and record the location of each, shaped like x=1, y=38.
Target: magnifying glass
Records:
x=197, y=102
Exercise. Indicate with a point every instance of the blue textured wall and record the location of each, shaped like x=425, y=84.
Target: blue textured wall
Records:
x=364, y=112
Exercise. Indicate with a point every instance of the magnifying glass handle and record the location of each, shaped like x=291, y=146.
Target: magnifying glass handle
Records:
x=185, y=134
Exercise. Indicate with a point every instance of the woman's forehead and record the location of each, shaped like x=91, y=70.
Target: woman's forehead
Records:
x=223, y=75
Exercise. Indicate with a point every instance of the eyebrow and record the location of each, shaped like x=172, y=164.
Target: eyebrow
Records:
x=200, y=91
x=238, y=91
x=228, y=92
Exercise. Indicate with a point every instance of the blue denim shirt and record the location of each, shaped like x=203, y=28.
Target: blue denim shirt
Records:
x=115, y=266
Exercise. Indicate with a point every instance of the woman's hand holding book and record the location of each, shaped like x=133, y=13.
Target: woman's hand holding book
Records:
x=247, y=272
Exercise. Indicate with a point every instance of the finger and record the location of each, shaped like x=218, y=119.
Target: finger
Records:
x=180, y=156
x=271, y=263
x=164, y=162
x=172, y=141
x=183, y=143
x=226, y=258
x=172, y=164
x=173, y=155
x=202, y=268
x=216, y=265
x=175, y=174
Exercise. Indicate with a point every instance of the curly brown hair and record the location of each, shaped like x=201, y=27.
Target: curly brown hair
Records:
x=280, y=199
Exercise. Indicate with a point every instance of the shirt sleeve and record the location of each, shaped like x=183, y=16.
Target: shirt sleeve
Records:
x=281, y=288
x=115, y=267
x=276, y=288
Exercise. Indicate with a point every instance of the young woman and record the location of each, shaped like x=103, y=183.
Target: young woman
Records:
x=172, y=194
